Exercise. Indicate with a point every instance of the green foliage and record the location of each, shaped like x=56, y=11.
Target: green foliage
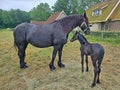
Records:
x=106, y=34
x=112, y=38
x=61, y=5
x=105, y=37
x=73, y=6
x=41, y=12
x=9, y=19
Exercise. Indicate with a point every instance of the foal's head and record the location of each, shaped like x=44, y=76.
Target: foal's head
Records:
x=84, y=24
x=78, y=36
x=75, y=37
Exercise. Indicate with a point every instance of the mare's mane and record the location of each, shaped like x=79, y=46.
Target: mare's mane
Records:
x=70, y=18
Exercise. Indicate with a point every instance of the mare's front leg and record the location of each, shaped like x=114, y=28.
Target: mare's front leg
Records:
x=87, y=69
x=51, y=65
x=82, y=61
x=60, y=56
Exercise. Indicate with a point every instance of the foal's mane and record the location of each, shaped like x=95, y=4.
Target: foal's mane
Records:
x=82, y=37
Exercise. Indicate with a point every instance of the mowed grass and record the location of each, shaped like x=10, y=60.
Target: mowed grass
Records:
x=38, y=75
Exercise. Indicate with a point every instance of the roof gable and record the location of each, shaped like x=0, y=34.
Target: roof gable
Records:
x=116, y=14
x=55, y=16
x=105, y=7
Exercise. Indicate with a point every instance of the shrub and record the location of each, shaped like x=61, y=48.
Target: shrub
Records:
x=105, y=34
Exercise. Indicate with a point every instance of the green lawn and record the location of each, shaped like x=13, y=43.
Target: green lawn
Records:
x=38, y=75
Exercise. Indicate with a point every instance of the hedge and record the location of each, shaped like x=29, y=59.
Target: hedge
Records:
x=105, y=34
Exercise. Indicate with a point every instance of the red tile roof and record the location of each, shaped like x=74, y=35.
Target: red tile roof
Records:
x=50, y=19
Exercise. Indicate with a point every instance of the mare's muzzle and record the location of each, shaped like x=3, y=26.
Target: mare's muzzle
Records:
x=87, y=31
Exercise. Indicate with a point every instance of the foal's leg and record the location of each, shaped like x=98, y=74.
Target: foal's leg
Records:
x=87, y=63
x=51, y=65
x=99, y=69
x=21, y=54
x=60, y=55
x=82, y=61
x=95, y=71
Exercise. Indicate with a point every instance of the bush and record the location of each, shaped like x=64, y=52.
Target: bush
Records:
x=106, y=34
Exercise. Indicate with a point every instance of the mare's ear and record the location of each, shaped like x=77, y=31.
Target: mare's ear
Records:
x=84, y=14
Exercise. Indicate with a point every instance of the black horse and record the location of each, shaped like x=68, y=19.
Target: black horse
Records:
x=96, y=51
x=53, y=34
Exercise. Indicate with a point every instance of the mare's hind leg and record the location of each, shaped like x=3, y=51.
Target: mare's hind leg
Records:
x=60, y=56
x=21, y=54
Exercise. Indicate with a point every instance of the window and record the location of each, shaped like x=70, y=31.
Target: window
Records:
x=96, y=12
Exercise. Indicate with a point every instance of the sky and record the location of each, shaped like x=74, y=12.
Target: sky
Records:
x=25, y=5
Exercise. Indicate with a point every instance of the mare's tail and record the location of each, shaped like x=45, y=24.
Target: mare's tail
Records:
x=15, y=45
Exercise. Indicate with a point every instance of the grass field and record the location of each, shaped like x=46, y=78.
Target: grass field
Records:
x=39, y=77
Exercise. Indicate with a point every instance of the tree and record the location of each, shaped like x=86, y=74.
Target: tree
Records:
x=6, y=18
x=1, y=21
x=73, y=6
x=41, y=12
x=61, y=5
x=19, y=16
x=9, y=19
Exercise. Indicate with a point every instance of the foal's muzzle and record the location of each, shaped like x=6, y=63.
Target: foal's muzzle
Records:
x=71, y=40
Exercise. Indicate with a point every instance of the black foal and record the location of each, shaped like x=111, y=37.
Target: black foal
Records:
x=96, y=51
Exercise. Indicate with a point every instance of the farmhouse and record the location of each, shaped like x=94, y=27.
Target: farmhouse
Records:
x=55, y=16
x=105, y=15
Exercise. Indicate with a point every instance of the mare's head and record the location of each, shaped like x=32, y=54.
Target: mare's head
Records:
x=84, y=24
x=78, y=36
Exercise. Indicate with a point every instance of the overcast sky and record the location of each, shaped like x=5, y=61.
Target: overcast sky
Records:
x=25, y=5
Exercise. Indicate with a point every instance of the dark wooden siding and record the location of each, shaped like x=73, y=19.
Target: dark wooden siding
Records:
x=114, y=25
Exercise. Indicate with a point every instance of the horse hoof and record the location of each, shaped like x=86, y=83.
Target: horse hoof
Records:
x=24, y=67
x=98, y=82
x=61, y=65
x=87, y=70
x=82, y=71
x=93, y=85
x=52, y=68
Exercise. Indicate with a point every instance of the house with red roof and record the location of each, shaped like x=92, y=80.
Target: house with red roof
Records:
x=55, y=16
x=105, y=15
